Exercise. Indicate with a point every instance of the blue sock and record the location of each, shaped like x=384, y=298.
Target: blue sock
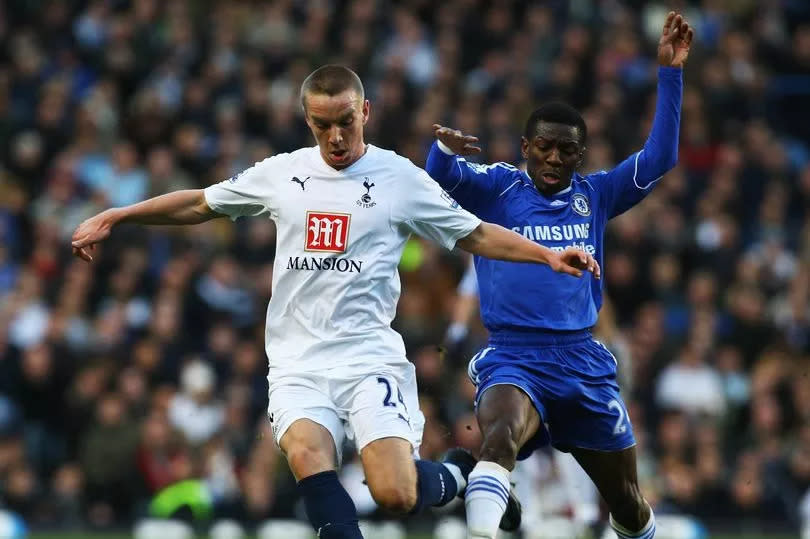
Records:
x=329, y=508
x=435, y=485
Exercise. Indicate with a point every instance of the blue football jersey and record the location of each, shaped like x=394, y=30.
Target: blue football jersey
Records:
x=522, y=296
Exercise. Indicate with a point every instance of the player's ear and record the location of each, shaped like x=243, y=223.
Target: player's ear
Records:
x=366, y=110
x=306, y=113
x=524, y=147
x=304, y=105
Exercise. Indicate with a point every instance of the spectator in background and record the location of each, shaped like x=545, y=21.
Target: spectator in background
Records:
x=164, y=176
x=107, y=455
x=120, y=180
x=162, y=456
x=64, y=509
x=221, y=292
x=705, y=393
x=194, y=411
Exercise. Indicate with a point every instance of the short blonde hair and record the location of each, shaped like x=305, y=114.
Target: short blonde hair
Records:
x=331, y=80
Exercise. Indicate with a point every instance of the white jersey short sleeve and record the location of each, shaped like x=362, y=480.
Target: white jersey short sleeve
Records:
x=428, y=211
x=249, y=193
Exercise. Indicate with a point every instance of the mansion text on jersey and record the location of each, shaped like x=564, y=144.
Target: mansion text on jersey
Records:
x=313, y=263
x=580, y=231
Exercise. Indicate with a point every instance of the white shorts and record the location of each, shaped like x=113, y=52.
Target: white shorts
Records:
x=361, y=407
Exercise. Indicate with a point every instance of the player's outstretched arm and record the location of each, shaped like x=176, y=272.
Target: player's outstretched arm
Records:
x=442, y=162
x=471, y=184
x=633, y=179
x=496, y=242
x=660, y=153
x=454, y=142
x=187, y=207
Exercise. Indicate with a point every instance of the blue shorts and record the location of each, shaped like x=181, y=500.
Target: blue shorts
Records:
x=571, y=379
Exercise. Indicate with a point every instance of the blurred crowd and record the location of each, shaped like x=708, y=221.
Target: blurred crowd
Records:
x=146, y=368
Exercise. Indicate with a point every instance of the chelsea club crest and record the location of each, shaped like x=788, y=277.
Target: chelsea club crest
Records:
x=580, y=204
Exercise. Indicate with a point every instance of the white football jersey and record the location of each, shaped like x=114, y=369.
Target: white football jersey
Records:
x=340, y=238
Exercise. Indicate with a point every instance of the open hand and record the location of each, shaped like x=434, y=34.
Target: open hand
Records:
x=92, y=231
x=457, y=141
x=574, y=261
x=676, y=38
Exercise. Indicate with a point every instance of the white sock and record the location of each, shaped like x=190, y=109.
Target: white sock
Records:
x=457, y=475
x=486, y=498
x=647, y=532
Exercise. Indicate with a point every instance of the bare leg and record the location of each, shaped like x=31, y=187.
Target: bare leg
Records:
x=614, y=473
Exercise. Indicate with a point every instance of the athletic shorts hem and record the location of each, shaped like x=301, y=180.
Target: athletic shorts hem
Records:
x=569, y=448
x=386, y=434
x=520, y=387
x=278, y=433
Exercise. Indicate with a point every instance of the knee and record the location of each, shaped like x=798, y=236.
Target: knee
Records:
x=397, y=499
x=306, y=460
x=500, y=443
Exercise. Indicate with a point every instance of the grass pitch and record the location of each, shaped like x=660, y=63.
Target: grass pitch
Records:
x=128, y=536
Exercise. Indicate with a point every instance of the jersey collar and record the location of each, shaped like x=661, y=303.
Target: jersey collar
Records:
x=529, y=181
x=334, y=172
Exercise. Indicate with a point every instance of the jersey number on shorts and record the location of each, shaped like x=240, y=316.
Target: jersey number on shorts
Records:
x=620, y=427
x=387, y=399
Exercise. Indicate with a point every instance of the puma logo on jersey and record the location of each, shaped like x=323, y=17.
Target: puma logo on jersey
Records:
x=365, y=200
x=299, y=181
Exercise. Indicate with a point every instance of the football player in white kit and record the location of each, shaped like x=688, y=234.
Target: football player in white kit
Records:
x=343, y=211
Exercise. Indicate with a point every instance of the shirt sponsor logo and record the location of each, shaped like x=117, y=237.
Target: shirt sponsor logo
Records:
x=312, y=263
x=567, y=233
x=579, y=231
x=327, y=232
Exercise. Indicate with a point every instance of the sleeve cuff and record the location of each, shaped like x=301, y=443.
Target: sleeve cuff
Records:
x=213, y=205
x=443, y=147
x=451, y=244
x=670, y=72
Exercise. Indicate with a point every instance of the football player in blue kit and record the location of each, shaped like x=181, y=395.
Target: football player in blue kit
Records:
x=542, y=377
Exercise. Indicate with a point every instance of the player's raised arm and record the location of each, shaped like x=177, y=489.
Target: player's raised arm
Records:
x=471, y=184
x=632, y=179
x=495, y=242
x=185, y=207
